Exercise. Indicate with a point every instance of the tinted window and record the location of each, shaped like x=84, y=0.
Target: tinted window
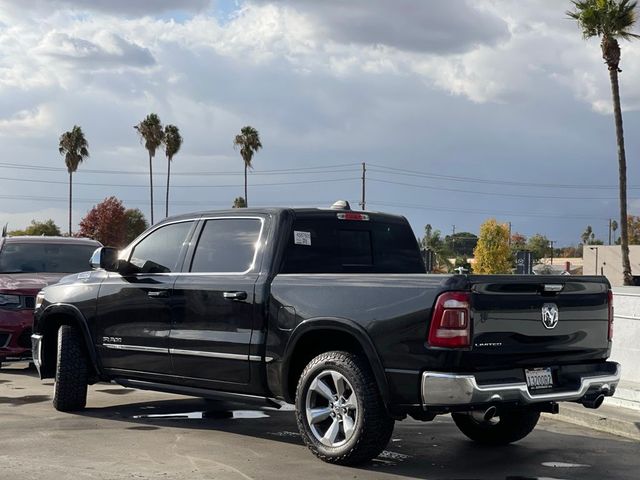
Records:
x=328, y=245
x=17, y=257
x=159, y=251
x=227, y=245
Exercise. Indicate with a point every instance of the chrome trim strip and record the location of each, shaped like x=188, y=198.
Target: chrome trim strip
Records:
x=448, y=389
x=197, y=353
x=135, y=348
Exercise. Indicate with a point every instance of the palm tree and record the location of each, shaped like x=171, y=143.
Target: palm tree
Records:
x=172, y=144
x=249, y=143
x=610, y=20
x=152, y=134
x=73, y=145
x=614, y=227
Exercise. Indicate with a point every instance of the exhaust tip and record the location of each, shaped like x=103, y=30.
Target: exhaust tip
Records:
x=489, y=413
x=594, y=402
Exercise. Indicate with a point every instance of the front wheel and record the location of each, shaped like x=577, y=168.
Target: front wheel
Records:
x=508, y=427
x=72, y=371
x=340, y=413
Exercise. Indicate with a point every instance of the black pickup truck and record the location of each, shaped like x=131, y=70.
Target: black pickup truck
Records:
x=332, y=310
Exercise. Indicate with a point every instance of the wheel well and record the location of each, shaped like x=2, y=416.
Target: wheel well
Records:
x=312, y=344
x=50, y=342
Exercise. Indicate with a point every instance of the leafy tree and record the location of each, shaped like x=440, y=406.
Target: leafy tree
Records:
x=105, y=222
x=172, y=144
x=433, y=241
x=73, y=145
x=47, y=228
x=518, y=241
x=239, y=203
x=610, y=20
x=539, y=246
x=462, y=262
x=462, y=244
x=152, y=135
x=135, y=224
x=248, y=141
x=492, y=254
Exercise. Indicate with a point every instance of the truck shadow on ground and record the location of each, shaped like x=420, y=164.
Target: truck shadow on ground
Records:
x=420, y=450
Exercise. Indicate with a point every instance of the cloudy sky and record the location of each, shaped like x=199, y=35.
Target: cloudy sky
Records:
x=462, y=110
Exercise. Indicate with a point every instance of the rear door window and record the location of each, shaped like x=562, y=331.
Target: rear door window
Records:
x=227, y=245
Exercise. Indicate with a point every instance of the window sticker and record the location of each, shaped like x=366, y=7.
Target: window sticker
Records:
x=302, y=238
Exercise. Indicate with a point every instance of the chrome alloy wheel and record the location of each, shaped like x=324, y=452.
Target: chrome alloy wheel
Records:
x=331, y=408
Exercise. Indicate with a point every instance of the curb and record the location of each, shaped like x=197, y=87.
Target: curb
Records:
x=615, y=420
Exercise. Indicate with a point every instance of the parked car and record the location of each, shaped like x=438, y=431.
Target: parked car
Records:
x=330, y=310
x=28, y=264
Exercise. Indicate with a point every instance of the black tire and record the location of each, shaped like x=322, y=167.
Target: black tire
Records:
x=371, y=426
x=509, y=427
x=70, y=389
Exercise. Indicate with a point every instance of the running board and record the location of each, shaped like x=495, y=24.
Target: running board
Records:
x=200, y=392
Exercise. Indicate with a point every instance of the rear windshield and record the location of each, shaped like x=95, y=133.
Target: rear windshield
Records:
x=328, y=245
x=16, y=257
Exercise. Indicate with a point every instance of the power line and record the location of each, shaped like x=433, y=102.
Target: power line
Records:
x=480, y=212
x=414, y=173
x=57, y=182
x=497, y=194
x=338, y=168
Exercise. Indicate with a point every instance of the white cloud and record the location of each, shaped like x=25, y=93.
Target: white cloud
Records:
x=27, y=123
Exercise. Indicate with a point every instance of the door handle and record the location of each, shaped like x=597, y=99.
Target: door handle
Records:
x=158, y=293
x=235, y=295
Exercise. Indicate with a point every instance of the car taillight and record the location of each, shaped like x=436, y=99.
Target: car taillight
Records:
x=451, y=322
x=610, y=303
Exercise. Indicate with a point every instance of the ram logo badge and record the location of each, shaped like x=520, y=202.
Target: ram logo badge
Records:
x=550, y=315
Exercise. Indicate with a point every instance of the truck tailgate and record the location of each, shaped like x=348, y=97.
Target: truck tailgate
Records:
x=538, y=320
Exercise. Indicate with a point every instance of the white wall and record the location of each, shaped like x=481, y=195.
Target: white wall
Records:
x=626, y=332
x=609, y=261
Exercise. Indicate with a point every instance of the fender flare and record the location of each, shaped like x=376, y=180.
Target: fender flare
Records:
x=347, y=326
x=72, y=312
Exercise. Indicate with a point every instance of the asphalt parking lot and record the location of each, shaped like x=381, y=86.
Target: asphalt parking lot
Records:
x=132, y=434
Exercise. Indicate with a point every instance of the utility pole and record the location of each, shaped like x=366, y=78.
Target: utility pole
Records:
x=364, y=177
x=551, y=242
x=509, y=234
x=453, y=238
x=609, y=231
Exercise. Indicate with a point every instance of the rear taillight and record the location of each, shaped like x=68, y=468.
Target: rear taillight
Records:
x=451, y=323
x=610, y=303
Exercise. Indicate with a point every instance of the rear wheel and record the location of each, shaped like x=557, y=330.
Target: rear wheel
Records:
x=340, y=413
x=508, y=427
x=70, y=389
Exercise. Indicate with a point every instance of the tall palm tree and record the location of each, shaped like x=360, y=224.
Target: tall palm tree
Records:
x=152, y=135
x=73, y=145
x=172, y=144
x=610, y=20
x=249, y=143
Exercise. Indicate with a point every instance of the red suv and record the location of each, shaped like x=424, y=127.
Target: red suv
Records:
x=28, y=264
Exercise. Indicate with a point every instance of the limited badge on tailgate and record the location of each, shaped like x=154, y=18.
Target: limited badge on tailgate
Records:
x=538, y=378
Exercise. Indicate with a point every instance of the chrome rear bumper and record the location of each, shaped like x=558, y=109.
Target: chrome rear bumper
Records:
x=449, y=390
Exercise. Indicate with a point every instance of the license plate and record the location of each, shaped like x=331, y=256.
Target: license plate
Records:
x=538, y=378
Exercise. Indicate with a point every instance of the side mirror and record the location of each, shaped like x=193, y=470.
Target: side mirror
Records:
x=106, y=258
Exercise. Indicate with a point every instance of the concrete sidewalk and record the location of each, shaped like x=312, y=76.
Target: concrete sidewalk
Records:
x=619, y=415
